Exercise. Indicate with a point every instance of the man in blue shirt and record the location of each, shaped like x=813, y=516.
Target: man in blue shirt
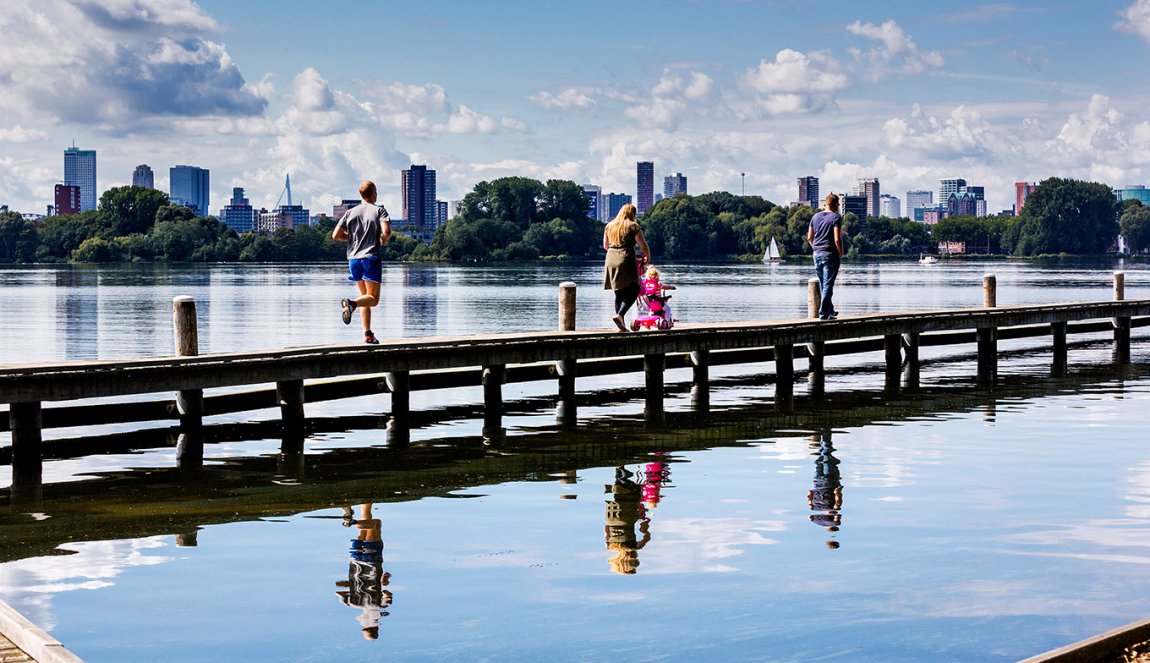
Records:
x=825, y=236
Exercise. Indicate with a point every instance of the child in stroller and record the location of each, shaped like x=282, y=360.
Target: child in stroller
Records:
x=654, y=311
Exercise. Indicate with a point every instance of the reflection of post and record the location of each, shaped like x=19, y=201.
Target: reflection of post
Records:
x=493, y=378
x=190, y=450
x=26, y=422
x=653, y=367
x=892, y=346
x=701, y=382
x=910, y=343
x=399, y=384
x=565, y=368
x=1121, y=323
x=1058, y=333
x=784, y=375
x=290, y=395
x=826, y=494
x=816, y=352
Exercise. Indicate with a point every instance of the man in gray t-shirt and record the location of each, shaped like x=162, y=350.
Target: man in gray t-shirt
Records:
x=366, y=228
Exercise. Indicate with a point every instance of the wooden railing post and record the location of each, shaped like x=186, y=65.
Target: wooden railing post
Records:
x=653, y=367
x=25, y=420
x=566, y=369
x=701, y=382
x=988, y=335
x=189, y=402
x=910, y=377
x=399, y=384
x=814, y=298
x=1121, y=323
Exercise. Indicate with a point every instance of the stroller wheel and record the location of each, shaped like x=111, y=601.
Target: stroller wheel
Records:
x=635, y=325
x=664, y=323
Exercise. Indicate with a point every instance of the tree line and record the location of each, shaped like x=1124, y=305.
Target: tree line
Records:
x=522, y=219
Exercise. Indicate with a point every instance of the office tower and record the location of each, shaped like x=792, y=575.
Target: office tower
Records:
x=67, y=199
x=916, y=200
x=615, y=202
x=673, y=185
x=869, y=187
x=889, y=206
x=238, y=214
x=644, y=186
x=947, y=187
x=337, y=211
x=419, y=207
x=594, y=195
x=809, y=191
x=80, y=170
x=142, y=176
x=1021, y=191
x=284, y=216
x=440, y=213
x=961, y=204
x=189, y=186
x=856, y=204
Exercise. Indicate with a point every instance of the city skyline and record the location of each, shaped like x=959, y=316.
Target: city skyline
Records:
x=994, y=93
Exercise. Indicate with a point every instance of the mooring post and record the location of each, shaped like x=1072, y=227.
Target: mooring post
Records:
x=784, y=374
x=988, y=335
x=1121, y=323
x=816, y=350
x=566, y=369
x=892, y=348
x=290, y=395
x=1058, y=341
x=653, y=367
x=399, y=384
x=189, y=402
x=701, y=383
x=494, y=376
x=25, y=420
x=910, y=345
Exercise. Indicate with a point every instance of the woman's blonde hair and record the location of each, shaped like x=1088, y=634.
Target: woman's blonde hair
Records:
x=615, y=229
x=652, y=273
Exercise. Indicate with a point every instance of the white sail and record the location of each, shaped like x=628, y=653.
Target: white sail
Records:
x=773, y=251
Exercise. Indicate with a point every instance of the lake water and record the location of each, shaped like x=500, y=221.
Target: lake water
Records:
x=956, y=524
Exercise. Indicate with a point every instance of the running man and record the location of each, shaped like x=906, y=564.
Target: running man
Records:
x=366, y=228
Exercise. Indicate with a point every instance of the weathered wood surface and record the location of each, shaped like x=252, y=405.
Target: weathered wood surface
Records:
x=93, y=379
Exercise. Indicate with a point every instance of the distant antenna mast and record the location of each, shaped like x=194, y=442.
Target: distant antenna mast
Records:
x=287, y=185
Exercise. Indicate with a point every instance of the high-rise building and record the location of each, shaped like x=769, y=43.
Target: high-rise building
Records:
x=613, y=202
x=80, y=170
x=856, y=204
x=916, y=200
x=143, y=176
x=675, y=184
x=947, y=187
x=284, y=216
x=889, y=206
x=238, y=214
x=644, y=186
x=1021, y=191
x=67, y=199
x=809, y=191
x=961, y=204
x=594, y=195
x=189, y=186
x=869, y=187
x=441, y=213
x=337, y=211
x=419, y=207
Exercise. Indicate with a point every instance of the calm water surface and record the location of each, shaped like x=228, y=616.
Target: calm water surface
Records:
x=959, y=523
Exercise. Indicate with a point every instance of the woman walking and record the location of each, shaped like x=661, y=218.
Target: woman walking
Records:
x=620, y=270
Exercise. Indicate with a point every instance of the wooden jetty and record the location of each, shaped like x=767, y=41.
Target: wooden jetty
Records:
x=489, y=361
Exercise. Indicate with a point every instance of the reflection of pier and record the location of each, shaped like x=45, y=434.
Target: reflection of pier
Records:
x=164, y=501
x=490, y=361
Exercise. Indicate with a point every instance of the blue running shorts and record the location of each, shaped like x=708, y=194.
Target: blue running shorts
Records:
x=365, y=269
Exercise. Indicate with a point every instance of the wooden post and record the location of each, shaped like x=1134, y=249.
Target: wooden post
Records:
x=290, y=395
x=989, y=291
x=784, y=375
x=493, y=378
x=566, y=369
x=892, y=347
x=189, y=402
x=1121, y=323
x=987, y=355
x=399, y=384
x=26, y=423
x=814, y=298
x=701, y=384
x=911, y=367
x=653, y=367
x=1058, y=364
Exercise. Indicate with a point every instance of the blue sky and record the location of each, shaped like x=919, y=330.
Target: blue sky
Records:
x=339, y=91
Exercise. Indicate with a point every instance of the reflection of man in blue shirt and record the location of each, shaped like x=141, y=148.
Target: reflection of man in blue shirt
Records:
x=826, y=496
x=365, y=575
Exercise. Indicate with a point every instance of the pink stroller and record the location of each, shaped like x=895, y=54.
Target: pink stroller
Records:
x=654, y=311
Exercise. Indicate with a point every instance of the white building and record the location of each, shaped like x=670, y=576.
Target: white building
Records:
x=889, y=206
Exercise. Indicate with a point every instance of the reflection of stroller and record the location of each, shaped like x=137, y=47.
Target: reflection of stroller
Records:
x=654, y=311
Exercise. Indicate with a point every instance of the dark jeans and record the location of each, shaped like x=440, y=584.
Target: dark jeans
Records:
x=827, y=269
x=625, y=298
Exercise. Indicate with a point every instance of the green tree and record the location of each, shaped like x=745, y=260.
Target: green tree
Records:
x=18, y=238
x=1135, y=226
x=96, y=249
x=1067, y=216
x=512, y=199
x=131, y=209
x=61, y=235
x=562, y=199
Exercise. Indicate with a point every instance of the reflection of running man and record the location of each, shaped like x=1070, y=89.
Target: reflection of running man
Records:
x=826, y=496
x=366, y=579
x=623, y=512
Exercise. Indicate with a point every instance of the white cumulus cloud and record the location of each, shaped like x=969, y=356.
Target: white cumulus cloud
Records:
x=897, y=51
x=569, y=98
x=1136, y=19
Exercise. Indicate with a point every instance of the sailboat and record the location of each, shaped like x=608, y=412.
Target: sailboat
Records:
x=772, y=253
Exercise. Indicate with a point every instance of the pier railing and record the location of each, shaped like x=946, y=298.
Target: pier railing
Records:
x=490, y=361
